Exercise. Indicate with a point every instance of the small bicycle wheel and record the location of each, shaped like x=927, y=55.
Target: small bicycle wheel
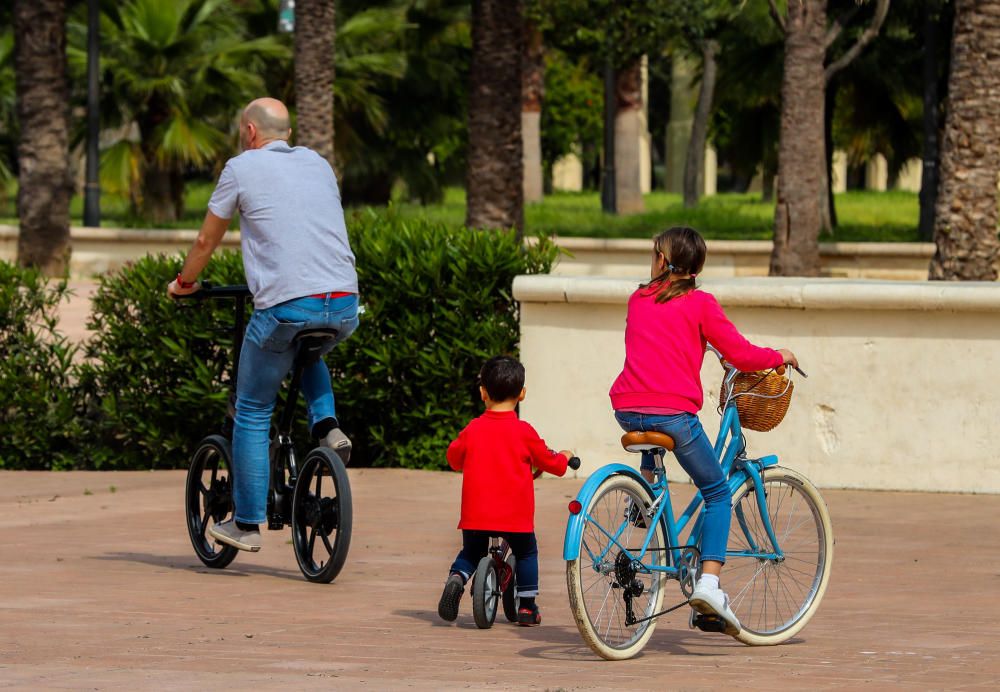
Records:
x=510, y=598
x=774, y=597
x=321, y=516
x=605, y=582
x=485, y=593
x=208, y=499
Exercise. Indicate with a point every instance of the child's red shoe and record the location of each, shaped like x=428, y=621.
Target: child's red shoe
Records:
x=529, y=617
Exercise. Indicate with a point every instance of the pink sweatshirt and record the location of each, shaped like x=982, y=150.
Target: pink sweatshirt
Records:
x=665, y=347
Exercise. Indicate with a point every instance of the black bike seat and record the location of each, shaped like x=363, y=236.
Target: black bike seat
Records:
x=317, y=334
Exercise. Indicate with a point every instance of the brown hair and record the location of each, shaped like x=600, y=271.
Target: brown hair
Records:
x=684, y=249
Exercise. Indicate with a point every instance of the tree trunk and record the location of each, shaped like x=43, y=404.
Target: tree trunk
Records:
x=629, y=123
x=965, y=228
x=314, y=44
x=929, y=172
x=801, y=153
x=42, y=90
x=768, y=173
x=494, y=177
x=828, y=221
x=694, y=165
x=532, y=93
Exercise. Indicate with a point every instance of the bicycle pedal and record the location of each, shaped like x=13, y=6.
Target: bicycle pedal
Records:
x=709, y=623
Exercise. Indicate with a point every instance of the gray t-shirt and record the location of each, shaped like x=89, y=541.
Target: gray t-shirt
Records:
x=294, y=238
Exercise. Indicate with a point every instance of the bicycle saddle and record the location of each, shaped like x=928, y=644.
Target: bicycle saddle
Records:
x=639, y=441
x=317, y=334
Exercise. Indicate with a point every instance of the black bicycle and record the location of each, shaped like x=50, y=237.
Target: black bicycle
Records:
x=314, y=498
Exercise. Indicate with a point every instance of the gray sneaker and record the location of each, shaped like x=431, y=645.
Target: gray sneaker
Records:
x=715, y=602
x=339, y=443
x=229, y=533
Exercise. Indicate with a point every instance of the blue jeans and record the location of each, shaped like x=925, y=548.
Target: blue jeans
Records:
x=476, y=545
x=697, y=458
x=266, y=358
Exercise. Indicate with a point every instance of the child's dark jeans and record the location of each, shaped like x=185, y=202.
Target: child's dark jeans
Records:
x=476, y=545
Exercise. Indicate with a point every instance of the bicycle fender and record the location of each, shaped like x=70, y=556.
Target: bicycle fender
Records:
x=574, y=525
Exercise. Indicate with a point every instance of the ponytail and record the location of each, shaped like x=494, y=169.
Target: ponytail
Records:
x=685, y=251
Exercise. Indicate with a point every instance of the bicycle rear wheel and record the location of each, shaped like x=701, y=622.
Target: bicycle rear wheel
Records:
x=773, y=597
x=322, y=511
x=208, y=499
x=604, y=583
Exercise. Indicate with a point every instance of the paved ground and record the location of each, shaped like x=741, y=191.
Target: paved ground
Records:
x=99, y=588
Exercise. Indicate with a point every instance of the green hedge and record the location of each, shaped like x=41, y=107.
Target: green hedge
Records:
x=38, y=423
x=436, y=301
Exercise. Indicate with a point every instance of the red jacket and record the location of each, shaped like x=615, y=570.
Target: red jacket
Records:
x=495, y=453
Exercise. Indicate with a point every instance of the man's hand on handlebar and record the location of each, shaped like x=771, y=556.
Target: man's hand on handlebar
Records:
x=174, y=289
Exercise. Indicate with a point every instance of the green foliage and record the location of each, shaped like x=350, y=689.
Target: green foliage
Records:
x=437, y=304
x=174, y=74
x=37, y=427
x=8, y=125
x=571, y=110
x=156, y=376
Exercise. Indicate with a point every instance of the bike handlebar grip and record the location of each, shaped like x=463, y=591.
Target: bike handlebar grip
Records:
x=574, y=463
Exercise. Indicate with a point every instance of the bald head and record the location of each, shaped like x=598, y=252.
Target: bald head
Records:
x=269, y=120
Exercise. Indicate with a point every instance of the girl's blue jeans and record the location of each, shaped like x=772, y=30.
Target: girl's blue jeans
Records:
x=267, y=356
x=697, y=458
x=476, y=545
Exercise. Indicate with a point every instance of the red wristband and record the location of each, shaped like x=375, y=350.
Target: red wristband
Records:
x=185, y=284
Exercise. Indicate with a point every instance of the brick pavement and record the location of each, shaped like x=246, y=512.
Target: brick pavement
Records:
x=101, y=589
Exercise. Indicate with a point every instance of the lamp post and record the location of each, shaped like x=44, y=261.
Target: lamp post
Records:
x=92, y=187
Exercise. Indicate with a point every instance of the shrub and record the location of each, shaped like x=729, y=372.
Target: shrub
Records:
x=37, y=428
x=437, y=303
x=156, y=376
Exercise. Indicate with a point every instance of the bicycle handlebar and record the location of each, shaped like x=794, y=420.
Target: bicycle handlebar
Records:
x=574, y=463
x=209, y=291
x=729, y=366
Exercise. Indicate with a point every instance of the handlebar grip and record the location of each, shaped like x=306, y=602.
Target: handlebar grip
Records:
x=574, y=463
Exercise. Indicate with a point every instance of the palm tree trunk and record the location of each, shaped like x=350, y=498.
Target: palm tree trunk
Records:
x=801, y=152
x=532, y=93
x=965, y=228
x=45, y=183
x=931, y=122
x=315, y=34
x=494, y=176
x=694, y=165
x=629, y=123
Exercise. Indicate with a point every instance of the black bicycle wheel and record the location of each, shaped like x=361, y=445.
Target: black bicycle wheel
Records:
x=208, y=499
x=485, y=594
x=510, y=593
x=321, y=516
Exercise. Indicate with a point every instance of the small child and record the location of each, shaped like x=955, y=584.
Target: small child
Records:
x=496, y=452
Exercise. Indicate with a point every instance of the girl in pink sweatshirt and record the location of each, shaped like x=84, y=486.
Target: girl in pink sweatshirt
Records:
x=669, y=322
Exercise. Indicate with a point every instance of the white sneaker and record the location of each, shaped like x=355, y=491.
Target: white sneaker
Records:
x=715, y=602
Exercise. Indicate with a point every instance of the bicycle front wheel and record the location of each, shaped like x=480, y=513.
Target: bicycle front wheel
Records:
x=208, y=499
x=778, y=588
x=612, y=591
x=322, y=516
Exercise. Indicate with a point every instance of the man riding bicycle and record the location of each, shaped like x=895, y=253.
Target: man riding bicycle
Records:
x=300, y=269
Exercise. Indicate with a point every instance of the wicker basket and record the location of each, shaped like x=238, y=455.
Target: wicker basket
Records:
x=764, y=401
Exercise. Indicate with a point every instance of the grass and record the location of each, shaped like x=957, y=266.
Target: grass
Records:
x=863, y=215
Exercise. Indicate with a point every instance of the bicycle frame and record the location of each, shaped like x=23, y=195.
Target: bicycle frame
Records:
x=729, y=449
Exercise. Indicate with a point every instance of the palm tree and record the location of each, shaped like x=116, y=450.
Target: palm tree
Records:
x=43, y=144
x=965, y=228
x=315, y=34
x=802, y=184
x=174, y=74
x=494, y=177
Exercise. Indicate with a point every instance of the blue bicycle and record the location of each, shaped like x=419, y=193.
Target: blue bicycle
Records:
x=623, y=544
